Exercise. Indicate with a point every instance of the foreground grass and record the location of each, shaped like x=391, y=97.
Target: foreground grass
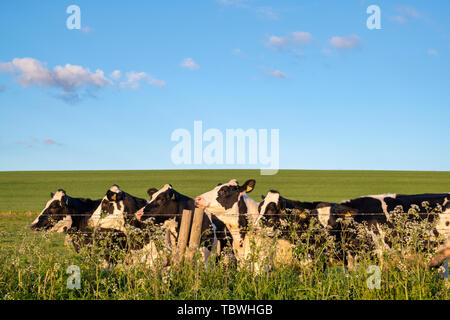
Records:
x=33, y=266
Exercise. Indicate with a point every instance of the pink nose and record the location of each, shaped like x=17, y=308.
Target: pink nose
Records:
x=139, y=214
x=198, y=201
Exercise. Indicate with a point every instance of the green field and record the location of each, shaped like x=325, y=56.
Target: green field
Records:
x=32, y=265
x=29, y=191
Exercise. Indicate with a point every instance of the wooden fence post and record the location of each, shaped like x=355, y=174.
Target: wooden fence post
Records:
x=183, y=235
x=196, y=232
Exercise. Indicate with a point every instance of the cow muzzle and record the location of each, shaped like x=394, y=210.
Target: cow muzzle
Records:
x=200, y=203
x=139, y=214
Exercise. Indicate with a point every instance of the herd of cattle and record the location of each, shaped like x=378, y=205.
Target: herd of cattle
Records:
x=228, y=214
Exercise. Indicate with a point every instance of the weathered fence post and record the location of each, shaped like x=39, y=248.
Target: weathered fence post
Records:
x=196, y=232
x=183, y=235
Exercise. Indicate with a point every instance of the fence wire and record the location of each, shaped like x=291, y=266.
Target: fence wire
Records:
x=265, y=215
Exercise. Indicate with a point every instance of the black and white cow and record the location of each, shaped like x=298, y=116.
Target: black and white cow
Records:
x=378, y=209
x=106, y=226
x=244, y=217
x=230, y=204
x=63, y=213
x=283, y=214
x=116, y=210
x=274, y=208
x=167, y=205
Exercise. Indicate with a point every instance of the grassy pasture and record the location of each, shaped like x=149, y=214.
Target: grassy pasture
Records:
x=33, y=265
x=29, y=191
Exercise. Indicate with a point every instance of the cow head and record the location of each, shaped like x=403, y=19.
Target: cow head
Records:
x=223, y=197
x=272, y=205
x=229, y=203
x=54, y=212
x=329, y=214
x=116, y=209
x=113, y=201
x=165, y=203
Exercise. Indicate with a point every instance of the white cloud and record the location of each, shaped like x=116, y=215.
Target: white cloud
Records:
x=267, y=12
x=189, y=64
x=409, y=12
x=116, y=74
x=349, y=42
x=327, y=51
x=277, y=74
x=399, y=19
x=50, y=141
x=73, y=81
x=293, y=39
x=155, y=82
x=134, y=78
x=237, y=51
x=302, y=37
x=278, y=42
x=31, y=72
x=405, y=13
x=86, y=29
x=234, y=3
x=432, y=52
x=33, y=141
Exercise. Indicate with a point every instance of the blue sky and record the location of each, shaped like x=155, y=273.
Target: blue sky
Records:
x=342, y=96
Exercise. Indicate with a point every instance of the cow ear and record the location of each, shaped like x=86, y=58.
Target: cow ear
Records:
x=248, y=186
x=172, y=194
x=52, y=195
x=111, y=196
x=65, y=200
x=151, y=191
x=447, y=206
x=282, y=203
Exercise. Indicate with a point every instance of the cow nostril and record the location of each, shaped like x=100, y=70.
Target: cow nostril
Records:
x=139, y=214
